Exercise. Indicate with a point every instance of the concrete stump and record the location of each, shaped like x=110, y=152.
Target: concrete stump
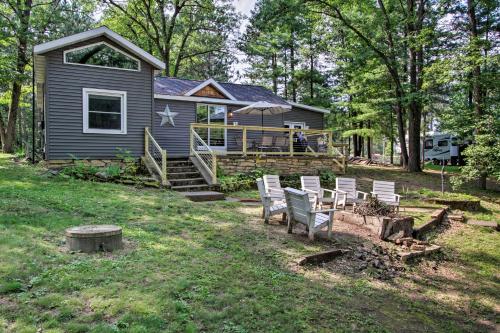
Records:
x=94, y=238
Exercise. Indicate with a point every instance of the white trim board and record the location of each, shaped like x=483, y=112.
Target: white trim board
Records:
x=104, y=92
x=102, y=31
x=107, y=44
x=308, y=107
x=210, y=82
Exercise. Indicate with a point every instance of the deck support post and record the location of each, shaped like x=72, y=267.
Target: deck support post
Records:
x=244, y=143
x=330, y=143
x=164, y=167
x=290, y=139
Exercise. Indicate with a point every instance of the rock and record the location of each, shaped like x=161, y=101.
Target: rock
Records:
x=394, y=237
x=416, y=247
x=363, y=266
x=456, y=217
x=128, y=182
x=359, y=255
x=377, y=264
x=102, y=175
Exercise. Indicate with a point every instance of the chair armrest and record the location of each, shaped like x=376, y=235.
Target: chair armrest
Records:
x=331, y=191
x=324, y=210
x=397, y=197
x=364, y=194
x=310, y=191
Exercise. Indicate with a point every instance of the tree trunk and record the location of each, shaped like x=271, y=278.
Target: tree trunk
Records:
x=369, y=143
x=274, y=68
x=292, y=68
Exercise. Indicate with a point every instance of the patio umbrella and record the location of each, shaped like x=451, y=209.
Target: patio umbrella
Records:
x=264, y=109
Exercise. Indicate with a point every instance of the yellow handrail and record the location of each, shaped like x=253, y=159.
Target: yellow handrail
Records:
x=161, y=169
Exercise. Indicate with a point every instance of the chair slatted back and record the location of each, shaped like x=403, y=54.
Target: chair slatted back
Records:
x=385, y=190
x=281, y=141
x=262, y=189
x=272, y=181
x=310, y=183
x=299, y=205
x=347, y=185
x=267, y=141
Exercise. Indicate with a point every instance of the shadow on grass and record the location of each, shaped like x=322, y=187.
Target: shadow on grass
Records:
x=193, y=267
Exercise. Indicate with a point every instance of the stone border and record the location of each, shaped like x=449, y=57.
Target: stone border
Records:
x=470, y=205
x=437, y=218
x=407, y=256
x=383, y=226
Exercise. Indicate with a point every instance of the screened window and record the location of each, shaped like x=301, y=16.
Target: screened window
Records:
x=104, y=111
x=428, y=144
x=101, y=55
x=443, y=143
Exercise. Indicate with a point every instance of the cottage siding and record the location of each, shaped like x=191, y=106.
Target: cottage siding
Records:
x=176, y=139
x=65, y=83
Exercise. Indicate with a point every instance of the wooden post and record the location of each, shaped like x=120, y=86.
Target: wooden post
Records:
x=214, y=168
x=244, y=139
x=191, y=139
x=291, y=141
x=146, y=140
x=164, y=166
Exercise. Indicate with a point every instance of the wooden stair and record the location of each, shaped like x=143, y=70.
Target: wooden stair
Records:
x=185, y=177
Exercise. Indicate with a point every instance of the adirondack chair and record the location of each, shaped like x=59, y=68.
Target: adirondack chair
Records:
x=312, y=184
x=384, y=191
x=273, y=186
x=300, y=210
x=271, y=205
x=347, y=193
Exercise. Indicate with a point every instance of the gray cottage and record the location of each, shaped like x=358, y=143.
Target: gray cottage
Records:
x=97, y=93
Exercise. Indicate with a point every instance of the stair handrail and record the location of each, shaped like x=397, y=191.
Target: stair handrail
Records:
x=210, y=164
x=149, y=153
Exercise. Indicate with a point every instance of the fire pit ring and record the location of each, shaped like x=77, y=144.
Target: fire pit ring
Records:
x=94, y=238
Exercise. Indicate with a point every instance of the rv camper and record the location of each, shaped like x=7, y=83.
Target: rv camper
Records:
x=441, y=148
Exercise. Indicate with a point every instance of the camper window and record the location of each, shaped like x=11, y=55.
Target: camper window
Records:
x=443, y=143
x=428, y=144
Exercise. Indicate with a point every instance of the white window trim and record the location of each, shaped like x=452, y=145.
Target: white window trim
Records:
x=289, y=123
x=220, y=148
x=103, y=92
x=109, y=45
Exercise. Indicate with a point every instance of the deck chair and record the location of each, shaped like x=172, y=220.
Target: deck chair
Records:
x=272, y=186
x=281, y=143
x=271, y=205
x=312, y=184
x=266, y=142
x=384, y=191
x=347, y=193
x=300, y=210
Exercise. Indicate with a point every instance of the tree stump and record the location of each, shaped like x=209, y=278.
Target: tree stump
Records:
x=94, y=238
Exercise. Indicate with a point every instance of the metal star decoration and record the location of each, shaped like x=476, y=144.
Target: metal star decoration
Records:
x=167, y=117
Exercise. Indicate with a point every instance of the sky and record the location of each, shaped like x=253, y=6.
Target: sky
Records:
x=244, y=7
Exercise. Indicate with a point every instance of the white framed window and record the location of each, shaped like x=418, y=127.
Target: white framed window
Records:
x=101, y=54
x=295, y=124
x=104, y=111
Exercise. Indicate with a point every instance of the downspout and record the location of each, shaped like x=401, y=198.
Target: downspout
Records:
x=33, y=109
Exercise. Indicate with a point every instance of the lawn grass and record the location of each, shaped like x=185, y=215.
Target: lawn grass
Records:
x=211, y=267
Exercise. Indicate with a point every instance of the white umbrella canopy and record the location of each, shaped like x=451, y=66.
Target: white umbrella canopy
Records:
x=264, y=109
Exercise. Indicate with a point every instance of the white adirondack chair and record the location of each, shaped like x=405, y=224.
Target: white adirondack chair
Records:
x=273, y=186
x=312, y=184
x=272, y=205
x=347, y=193
x=301, y=211
x=385, y=192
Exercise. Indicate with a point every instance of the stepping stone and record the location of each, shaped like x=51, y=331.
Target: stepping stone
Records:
x=488, y=224
x=203, y=196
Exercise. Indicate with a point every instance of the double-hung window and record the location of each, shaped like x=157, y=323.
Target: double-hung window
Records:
x=104, y=111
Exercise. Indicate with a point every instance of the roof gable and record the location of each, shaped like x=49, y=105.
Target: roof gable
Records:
x=102, y=31
x=215, y=86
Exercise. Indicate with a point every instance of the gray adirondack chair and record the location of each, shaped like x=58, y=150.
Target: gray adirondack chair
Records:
x=347, y=193
x=271, y=205
x=385, y=192
x=301, y=211
x=312, y=184
x=273, y=186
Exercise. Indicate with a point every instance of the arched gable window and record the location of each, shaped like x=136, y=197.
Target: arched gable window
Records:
x=101, y=55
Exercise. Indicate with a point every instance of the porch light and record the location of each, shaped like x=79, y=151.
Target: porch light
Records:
x=230, y=114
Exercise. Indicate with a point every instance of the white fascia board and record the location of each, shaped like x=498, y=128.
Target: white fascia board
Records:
x=308, y=107
x=209, y=100
x=215, y=84
x=102, y=31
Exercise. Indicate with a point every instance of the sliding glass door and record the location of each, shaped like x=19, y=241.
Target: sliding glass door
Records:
x=215, y=115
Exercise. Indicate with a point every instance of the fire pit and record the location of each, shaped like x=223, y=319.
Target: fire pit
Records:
x=94, y=238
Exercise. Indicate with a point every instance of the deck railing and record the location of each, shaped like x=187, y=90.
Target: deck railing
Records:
x=256, y=140
x=204, y=155
x=156, y=155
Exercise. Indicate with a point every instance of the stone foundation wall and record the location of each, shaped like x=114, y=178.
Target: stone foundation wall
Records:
x=284, y=165
x=59, y=164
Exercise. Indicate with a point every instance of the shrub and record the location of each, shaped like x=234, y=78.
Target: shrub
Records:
x=130, y=162
x=80, y=170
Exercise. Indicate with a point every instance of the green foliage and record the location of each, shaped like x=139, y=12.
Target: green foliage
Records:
x=483, y=156
x=131, y=166
x=80, y=170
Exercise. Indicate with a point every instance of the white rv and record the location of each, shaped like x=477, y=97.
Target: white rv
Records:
x=439, y=147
